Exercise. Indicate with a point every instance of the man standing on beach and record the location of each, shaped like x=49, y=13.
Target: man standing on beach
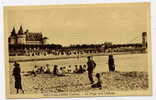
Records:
x=91, y=66
x=111, y=63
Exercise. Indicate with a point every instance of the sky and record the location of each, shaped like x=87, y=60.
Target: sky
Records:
x=82, y=24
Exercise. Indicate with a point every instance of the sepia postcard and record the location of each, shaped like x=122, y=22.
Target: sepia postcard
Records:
x=78, y=50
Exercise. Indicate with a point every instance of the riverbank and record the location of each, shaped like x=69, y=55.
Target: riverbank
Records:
x=111, y=81
x=52, y=57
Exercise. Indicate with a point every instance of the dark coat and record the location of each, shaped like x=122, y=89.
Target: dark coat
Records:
x=91, y=65
x=17, y=76
x=111, y=64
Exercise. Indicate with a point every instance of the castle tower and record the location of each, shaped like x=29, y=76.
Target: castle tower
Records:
x=21, y=36
x=144, y=39
x=12, y=37
x=44, y=40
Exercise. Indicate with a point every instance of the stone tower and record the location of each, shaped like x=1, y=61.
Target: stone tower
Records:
x=21, y=36
x=44, y=40
x=144, y=39
x=13, y=36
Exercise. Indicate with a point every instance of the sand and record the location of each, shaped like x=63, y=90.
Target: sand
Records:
x=111, y=81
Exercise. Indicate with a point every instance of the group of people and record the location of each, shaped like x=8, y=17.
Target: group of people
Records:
x=80, y=69
x=91, y=66
x=41, y=69
x=61, y=72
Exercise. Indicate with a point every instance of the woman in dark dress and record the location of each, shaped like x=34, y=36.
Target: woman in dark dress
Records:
x=111, y=63
x=17, y=76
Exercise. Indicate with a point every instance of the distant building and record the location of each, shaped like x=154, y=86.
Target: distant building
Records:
x=144, y=39
x=25, y=43
x=28, y=38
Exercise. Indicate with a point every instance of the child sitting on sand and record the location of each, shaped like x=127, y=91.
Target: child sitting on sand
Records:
x=76, y=69
x=34, y=72
x=69, y=69
x=61, y=72
x=55, y=70
x=99, y=82
x=84, y=68
x=46, y=69
x=41, y=70
x=81, y=70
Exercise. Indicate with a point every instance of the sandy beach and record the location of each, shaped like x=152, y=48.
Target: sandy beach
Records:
x=129, y=76
x=111, y=81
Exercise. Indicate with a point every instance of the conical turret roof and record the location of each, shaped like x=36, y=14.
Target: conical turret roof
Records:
x=20, y=32
x=13, y=33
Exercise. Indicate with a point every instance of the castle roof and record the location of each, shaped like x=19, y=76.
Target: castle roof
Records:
x=34, y=36
x=13, y=33
x=20, y=32
x=30, y=36
x=45, y=38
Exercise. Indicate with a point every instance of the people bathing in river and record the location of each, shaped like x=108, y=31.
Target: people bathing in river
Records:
x=111, y=64
x=98, y=84
x=17, y=76
x=91, y=66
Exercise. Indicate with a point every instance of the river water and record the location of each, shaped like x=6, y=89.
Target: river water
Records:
x=127, y=62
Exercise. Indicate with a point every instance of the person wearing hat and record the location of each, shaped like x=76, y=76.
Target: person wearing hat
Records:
x=91, y=66
x=17, y=76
